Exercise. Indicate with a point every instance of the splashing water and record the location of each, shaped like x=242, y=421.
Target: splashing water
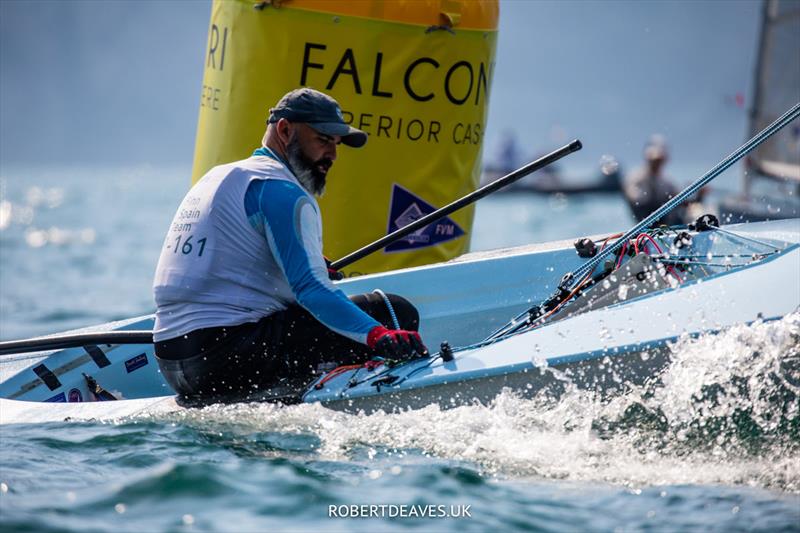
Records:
x=725, y=411
x=644, y=460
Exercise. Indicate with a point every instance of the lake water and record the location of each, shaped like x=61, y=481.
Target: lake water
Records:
x=714, y=447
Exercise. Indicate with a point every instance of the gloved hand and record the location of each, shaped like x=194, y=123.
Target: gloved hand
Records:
x=395, y=343
x=333, y=274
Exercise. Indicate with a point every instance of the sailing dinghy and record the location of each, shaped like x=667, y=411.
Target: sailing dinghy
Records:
x=666, y=284
x=604, y=325
x=771, y=181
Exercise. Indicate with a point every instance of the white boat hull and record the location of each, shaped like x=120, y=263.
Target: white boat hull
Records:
x=602, y=349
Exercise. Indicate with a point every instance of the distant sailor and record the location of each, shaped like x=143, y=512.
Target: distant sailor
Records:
x=647, y=188
x=243, y=295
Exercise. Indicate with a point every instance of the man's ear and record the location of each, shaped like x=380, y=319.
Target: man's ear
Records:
x=284, y=130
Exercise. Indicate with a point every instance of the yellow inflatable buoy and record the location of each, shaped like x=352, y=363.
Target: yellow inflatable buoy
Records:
x=414, y=74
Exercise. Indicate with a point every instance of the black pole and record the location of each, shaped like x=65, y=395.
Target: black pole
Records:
x=472, y=197
x=78, y=339
x=146, y=337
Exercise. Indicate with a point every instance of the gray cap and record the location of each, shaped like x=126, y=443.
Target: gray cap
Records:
x=319, y=111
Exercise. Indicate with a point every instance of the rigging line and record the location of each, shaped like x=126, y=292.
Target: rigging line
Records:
x=514, y=321
x=658, y=257
x=502, y=332
x=704, y=263
x=571, y=278
x=654, y=242
x=742, y=237
x=723, y=165
x=416, y=370
x=388, y=371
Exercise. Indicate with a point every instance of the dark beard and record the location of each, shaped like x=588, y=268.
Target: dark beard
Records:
x=305, y=170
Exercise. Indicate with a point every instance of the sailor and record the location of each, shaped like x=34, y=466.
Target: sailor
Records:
x=647, y=188
x=242, y=290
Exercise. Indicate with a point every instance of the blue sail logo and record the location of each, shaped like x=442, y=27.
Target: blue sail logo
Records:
x=405, y=208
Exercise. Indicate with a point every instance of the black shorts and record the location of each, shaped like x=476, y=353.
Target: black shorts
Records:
x=272, y=359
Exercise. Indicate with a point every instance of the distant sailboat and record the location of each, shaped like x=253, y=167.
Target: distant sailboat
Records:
x=550, y=180
x=771, y=188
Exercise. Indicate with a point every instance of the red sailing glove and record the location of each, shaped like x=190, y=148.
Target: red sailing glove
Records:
x=395, y=343
x=333, y=274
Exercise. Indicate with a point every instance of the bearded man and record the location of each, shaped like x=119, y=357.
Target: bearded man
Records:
x=242, y=290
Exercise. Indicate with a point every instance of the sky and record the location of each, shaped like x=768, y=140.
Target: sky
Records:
x=119, y=82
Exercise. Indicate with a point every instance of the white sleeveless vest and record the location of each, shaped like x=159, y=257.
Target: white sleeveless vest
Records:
x=214, y=264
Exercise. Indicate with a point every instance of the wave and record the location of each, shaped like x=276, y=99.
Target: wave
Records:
x=726, y=410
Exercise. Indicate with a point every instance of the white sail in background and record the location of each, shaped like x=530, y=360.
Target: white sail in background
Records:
x=777, y=88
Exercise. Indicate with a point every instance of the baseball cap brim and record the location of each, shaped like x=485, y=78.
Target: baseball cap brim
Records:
x=350, y=136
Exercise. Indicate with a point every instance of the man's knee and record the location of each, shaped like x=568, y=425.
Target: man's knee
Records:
x=407, y=314
x=374, y=305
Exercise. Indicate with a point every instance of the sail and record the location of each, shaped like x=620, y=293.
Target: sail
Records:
x=777, y=88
